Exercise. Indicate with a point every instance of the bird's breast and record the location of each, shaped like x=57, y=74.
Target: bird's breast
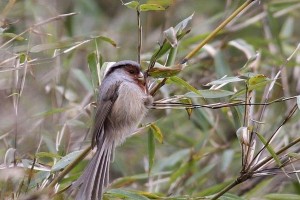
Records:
x=127, y=112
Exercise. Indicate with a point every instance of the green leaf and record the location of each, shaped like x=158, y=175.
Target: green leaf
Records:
x=126, y=194
x=181, y=82
x=256, y=84
x=227, y=159
x=188, y=101
x=66, y=160
x=151, y=148
x=92, y=64
x=209, y=94
x=243, y=46
x=221, y=64
x=132, y=5
x=229, y=196
x=12, y=35
x=124, y=181
x=237, y=115
x=270, y=149
x=184, y=25
x=170, y=35
x=225, y=81
x=47, y=155
x=247, y=66
x=184, y=28
x=106, y=39
x=179, y=172
x=171, y=160
x=83, y=79
x=157, y=133
x=282, y=196
x=150, y=7
x=163, y=72
x=298, y=101
x=164, y=3
x=259, y=78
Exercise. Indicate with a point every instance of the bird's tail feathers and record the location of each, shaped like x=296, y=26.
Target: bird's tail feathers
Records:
x=96, y=175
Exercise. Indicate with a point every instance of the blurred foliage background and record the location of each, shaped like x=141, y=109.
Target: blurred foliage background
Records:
x=46, y=94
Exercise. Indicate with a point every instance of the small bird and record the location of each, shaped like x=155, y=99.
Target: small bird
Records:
x=121, y=105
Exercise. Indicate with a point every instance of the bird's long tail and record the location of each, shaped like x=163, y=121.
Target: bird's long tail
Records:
x=96, y=175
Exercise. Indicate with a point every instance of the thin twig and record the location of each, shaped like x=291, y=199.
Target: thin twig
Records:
x=179, y=105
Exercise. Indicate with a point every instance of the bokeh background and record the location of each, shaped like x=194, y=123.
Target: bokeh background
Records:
x=46, y=93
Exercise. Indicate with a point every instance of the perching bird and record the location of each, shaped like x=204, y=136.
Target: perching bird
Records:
x=121, y=105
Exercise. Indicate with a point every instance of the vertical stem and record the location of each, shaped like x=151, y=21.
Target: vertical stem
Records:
x=139, y=35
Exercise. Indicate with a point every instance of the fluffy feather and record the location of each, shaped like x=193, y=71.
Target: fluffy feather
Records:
x=120, y=108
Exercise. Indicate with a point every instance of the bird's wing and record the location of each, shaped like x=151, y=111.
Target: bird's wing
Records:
x=104, y=106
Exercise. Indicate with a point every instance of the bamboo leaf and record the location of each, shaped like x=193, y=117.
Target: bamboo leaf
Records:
x=132, y=5
x=151, y=148
x=47, y=155
x=92, y=64
x=181, y=82
x=151, y=7
x=282, y=196
x=126, y=194
x=157, y=133
x=163, y=72
x=164, y=3
x=66, y=160
x=270, y=149
x=225, y=81
x=106, y=39
x=210, y=94
x=83, y=79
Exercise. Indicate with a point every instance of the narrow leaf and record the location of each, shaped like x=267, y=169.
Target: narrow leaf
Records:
x=181, y=82
x=106, y=39
x=170, y=35
x=298, y=101
x=164, y=3
x=126, y=194
x=184, y=25
x=282, y=196
x=151, y=149
x=188, y=101
x=210, y=94
x=83, y=79
x=163, y=72
x=225, y=81
x=270, y=149
x=151, y=7
x=66, y=160
x=157, y=133
x=92, y=64
x=47, y=155
x=132, y=5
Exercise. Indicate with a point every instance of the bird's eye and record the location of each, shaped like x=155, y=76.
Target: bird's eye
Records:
x=131, y=71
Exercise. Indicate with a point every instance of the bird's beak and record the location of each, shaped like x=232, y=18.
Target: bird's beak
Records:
x=141, y=77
